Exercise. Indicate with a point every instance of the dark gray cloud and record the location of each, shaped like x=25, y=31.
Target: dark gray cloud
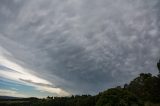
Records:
x=82, y=46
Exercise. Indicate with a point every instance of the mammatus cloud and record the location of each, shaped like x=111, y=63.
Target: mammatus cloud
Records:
x=80, y=46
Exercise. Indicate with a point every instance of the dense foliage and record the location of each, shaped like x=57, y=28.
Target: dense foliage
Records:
x=142, y=91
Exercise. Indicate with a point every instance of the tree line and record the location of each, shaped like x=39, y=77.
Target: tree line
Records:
x=144, y=90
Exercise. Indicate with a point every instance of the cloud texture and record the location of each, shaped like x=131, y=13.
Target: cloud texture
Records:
x=79, y=46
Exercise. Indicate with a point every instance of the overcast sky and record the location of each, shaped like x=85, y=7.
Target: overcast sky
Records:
x=65, y=47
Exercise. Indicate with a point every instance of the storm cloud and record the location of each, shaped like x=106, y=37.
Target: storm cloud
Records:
x=81, y=46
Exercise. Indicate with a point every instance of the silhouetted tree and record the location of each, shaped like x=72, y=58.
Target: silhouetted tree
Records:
x=118, y=97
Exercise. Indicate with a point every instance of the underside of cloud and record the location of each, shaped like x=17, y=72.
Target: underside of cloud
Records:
x=80, y=46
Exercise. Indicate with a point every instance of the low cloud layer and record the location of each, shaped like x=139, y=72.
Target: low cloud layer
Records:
x=13, y=71
x=80, y=46
x=13, y=93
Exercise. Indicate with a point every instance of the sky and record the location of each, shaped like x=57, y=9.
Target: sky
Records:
x=69, y=47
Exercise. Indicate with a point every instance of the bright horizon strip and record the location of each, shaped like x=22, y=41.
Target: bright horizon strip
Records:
x=21, y=73
x=13, y=93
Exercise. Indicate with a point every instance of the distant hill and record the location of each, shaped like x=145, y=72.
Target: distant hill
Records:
x=9, y=97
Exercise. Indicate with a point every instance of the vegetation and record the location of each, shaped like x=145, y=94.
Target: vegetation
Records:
x=142, y=91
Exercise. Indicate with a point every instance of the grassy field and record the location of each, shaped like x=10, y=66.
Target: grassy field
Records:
x=27, y=103
x=151, y=104
x=14, y=103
